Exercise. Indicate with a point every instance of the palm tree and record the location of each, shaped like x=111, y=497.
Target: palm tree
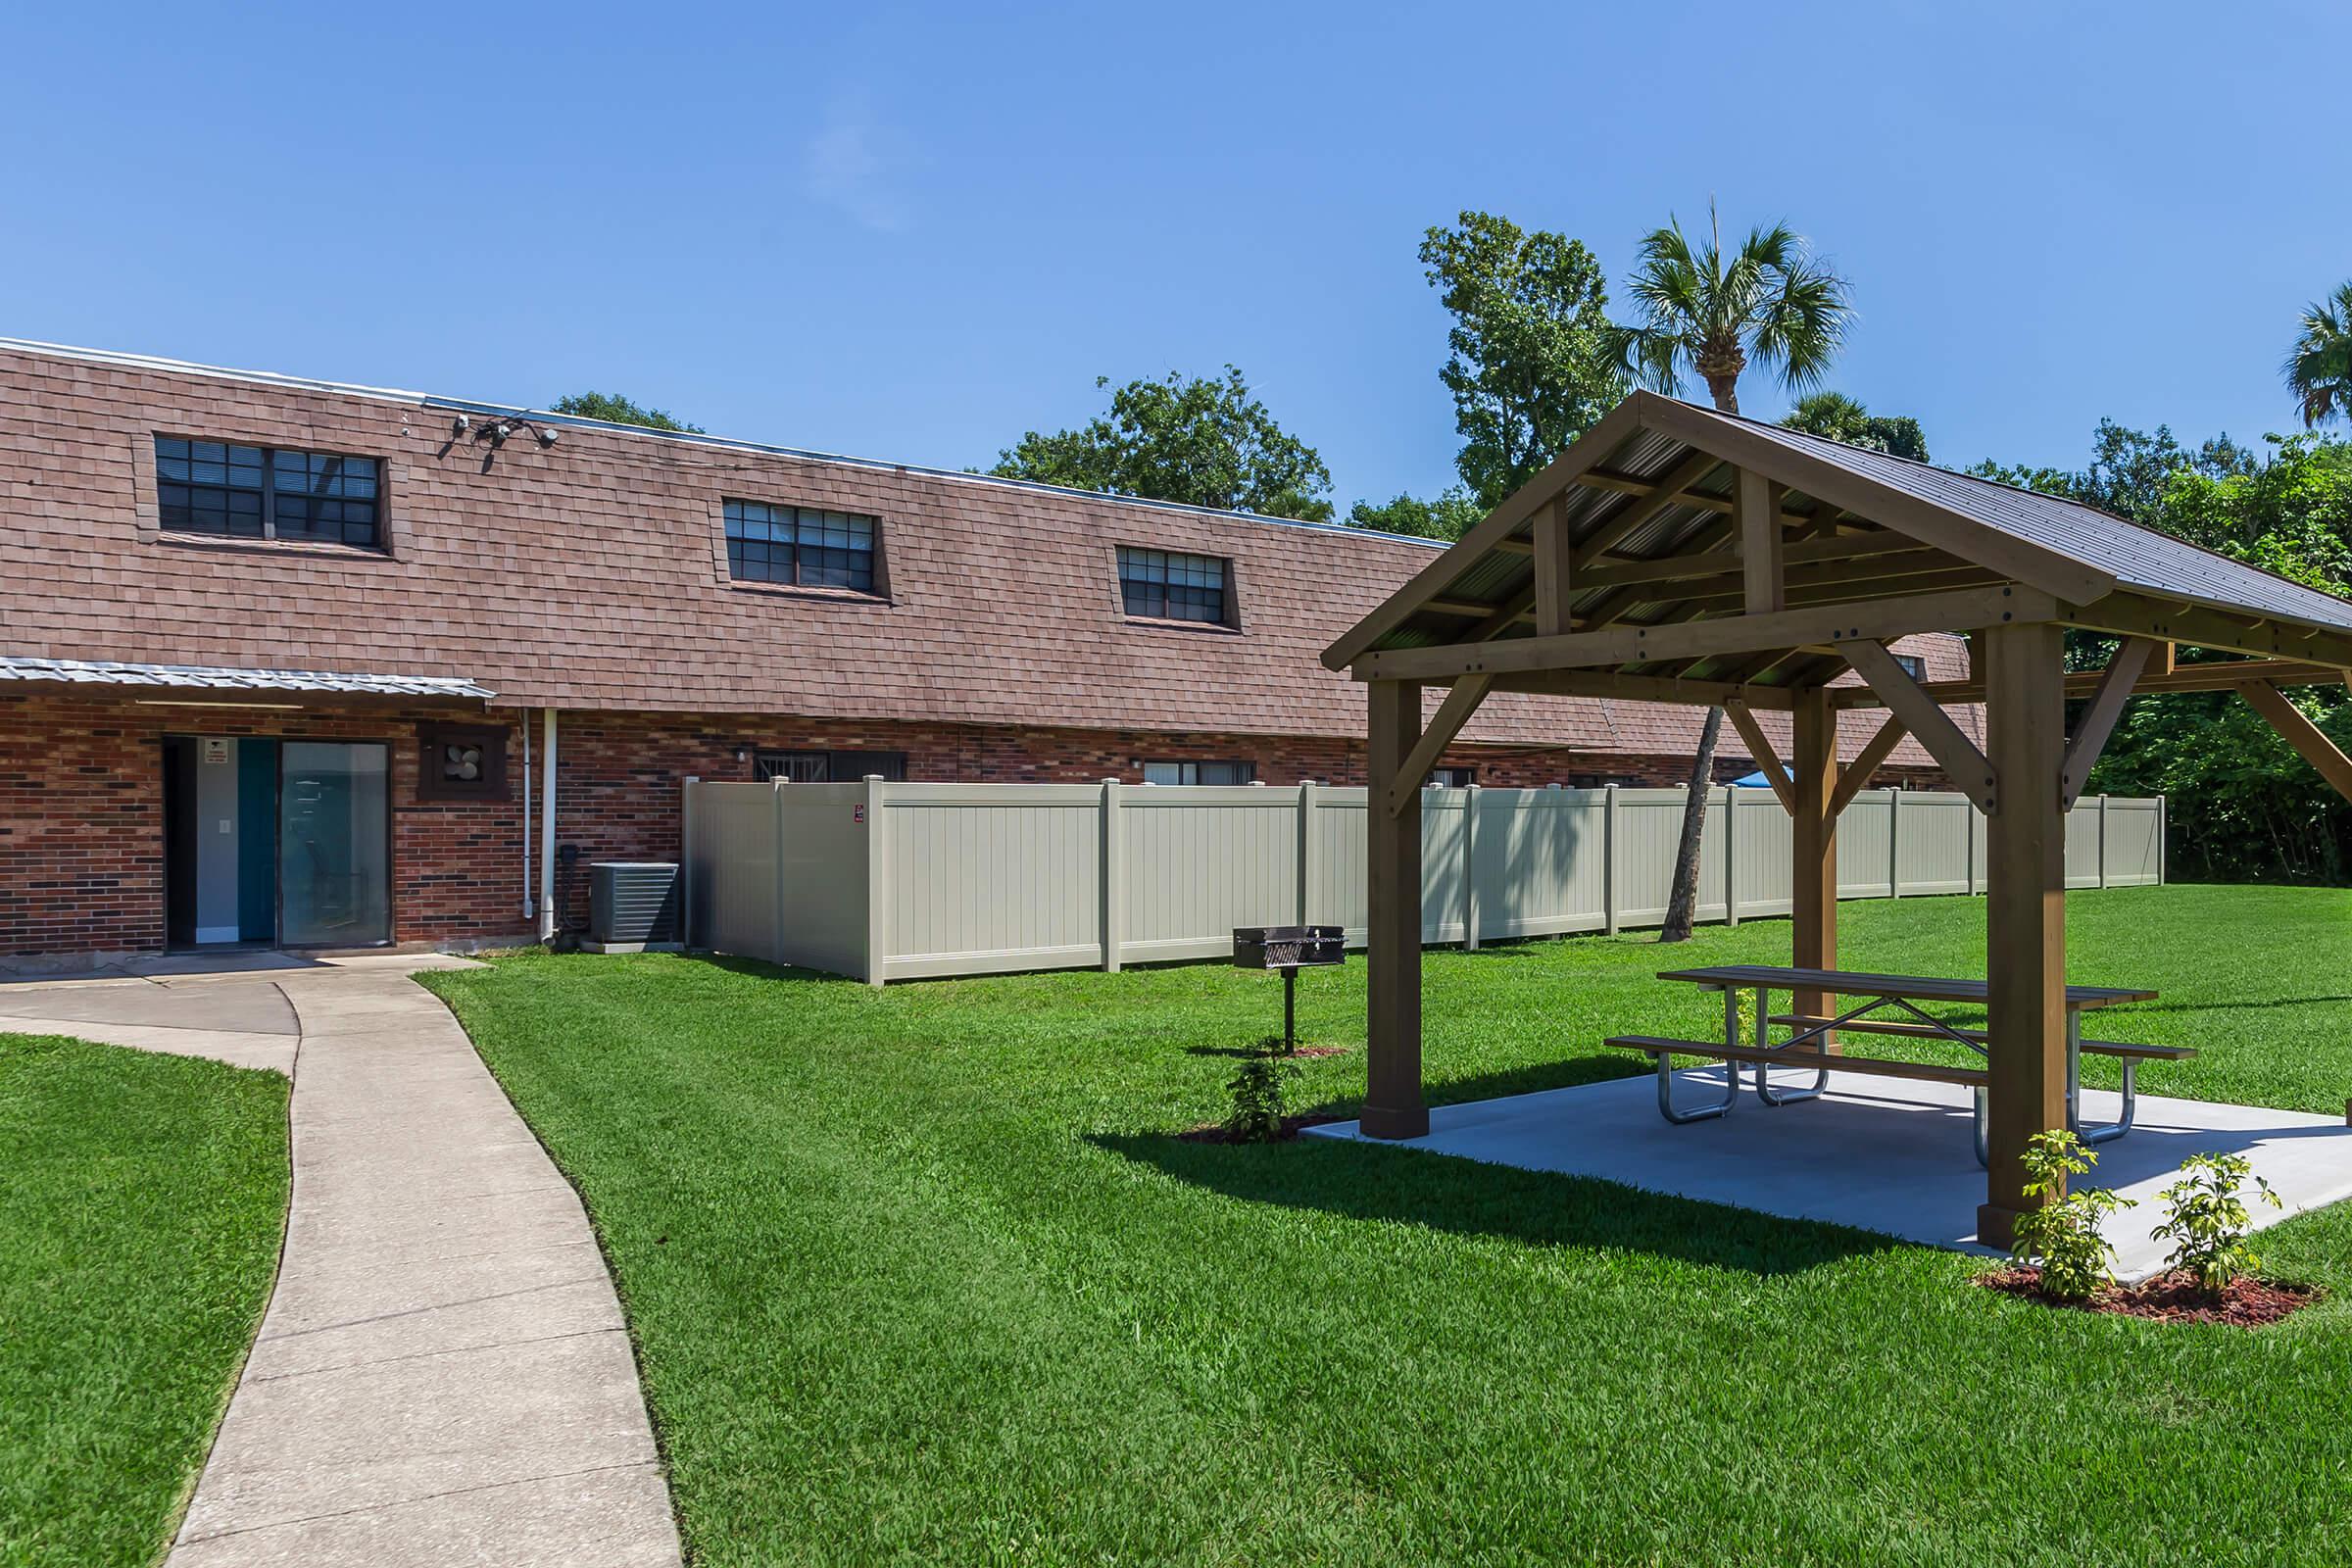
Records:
x=1772, y=304
x=2320, y=369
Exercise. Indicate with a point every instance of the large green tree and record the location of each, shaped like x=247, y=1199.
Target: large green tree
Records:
x=1709, y=312
x=1202, y=440
x=2318, y=368
x=1530, y=362
x=618, y=410
x=2241, y=804
x=1448, y=517
x=2130, y=472
x=1838, y=418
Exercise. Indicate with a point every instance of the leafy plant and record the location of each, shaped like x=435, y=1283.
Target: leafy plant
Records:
x=1843, y=419
x=2206, y=1220
x=1205, y=441
x=1530, y=359
x=1259, y=1099
x=2063, y=1236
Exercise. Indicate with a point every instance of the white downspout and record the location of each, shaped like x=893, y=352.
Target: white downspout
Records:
x=547, y=828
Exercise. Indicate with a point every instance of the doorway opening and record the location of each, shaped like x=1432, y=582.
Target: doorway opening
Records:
x=277, y=843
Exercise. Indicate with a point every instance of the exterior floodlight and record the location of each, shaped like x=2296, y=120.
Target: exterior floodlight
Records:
x=460, y=424
x=547, y=438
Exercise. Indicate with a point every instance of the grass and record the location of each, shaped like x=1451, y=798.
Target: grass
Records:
x=921, y=1276
x=143, y=1201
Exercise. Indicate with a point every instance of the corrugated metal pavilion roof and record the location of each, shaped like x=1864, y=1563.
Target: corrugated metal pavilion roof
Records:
x=2138, y=556
x=209, y=677
x=1962, y=532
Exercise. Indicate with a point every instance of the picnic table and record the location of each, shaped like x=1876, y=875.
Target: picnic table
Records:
x=1875, y=1004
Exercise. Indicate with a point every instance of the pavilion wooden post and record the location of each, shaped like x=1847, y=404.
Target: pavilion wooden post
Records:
x=2025, y=912
x=1813, y=846
x=1393, y=1107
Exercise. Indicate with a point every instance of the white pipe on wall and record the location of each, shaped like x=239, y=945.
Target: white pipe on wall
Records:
x=547, y=827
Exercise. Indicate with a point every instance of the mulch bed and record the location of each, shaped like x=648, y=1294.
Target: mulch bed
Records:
x=1214, y=1133
x=2246, y=1301
x=1319, y=1050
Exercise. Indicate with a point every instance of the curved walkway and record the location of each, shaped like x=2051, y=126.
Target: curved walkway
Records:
x=443, y=1376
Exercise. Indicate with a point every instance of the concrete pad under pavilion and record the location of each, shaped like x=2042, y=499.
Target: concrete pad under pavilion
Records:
x=1913, y=1138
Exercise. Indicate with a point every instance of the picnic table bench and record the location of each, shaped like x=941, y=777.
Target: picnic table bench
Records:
x=1873, y=994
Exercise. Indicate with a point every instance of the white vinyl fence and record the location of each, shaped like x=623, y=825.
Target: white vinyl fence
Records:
x=902, y=881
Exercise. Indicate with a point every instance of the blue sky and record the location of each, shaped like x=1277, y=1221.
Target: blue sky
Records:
x=912, y=232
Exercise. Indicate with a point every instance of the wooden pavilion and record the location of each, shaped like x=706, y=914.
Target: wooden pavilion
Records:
x=1680, y=555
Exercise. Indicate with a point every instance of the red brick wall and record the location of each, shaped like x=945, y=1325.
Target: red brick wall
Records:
x=81, y=824
x=82, y=818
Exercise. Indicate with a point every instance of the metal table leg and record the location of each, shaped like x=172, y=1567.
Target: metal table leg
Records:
x=1764, y=1090
x=1730, y=1073
x=1731, y=1094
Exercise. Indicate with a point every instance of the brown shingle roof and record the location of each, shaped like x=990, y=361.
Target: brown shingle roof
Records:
x=593, y=575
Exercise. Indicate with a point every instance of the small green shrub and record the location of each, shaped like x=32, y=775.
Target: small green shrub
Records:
x=2063, y=1236
x=1259, y=1099
x=2206, y=1220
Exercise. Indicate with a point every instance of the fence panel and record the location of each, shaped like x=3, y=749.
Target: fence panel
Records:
x=2134, y=842
x=1202, y=859
x=898, y=881
x=1763, y=846
x=983, y=878
x=1536, y=861
x=731, y=890
x=2083, y=844
x=823, y=895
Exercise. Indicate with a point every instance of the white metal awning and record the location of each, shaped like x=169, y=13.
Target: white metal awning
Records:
x=223, y=678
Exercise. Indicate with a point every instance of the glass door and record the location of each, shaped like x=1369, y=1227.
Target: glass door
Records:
x=334, y=844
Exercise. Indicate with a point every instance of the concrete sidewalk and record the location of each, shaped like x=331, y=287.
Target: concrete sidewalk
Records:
x=443, y=1376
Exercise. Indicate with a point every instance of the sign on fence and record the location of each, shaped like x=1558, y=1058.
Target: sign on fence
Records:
x=949, y=879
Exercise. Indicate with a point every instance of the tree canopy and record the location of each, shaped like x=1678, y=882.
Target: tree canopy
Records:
x=1203, y=441
x=2244, y=806
x=2130, y=471
x=1530, y=354
x=1449, y=516
x=618, y=410
x=1838, y=418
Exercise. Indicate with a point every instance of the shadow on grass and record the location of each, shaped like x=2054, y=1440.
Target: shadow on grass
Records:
x=1534, y=1078
x=1538, y=1208
x=1463, y=1198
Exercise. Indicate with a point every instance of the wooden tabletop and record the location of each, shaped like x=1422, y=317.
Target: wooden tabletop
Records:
x=1917, y=988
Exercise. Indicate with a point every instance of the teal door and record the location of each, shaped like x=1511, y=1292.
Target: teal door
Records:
x=257, y=840
x=334, y=850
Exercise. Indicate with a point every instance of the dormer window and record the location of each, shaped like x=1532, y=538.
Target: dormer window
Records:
x=800, y=547
x=234, y=492
x=1162, y=585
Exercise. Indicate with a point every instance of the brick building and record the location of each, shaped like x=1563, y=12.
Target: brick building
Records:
x=280, y=660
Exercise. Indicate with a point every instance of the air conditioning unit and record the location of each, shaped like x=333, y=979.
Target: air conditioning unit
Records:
x=632, y=907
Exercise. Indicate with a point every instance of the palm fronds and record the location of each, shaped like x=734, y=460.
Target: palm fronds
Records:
x=2318, y=368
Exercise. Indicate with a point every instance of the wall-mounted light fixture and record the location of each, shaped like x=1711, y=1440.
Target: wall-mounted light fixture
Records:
x=494, y=433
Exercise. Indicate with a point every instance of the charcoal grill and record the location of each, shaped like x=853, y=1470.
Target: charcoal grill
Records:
x=1289, y=948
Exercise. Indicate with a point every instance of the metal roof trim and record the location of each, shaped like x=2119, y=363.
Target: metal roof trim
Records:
x=228, y=678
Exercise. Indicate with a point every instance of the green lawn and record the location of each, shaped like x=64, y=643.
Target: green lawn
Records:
x=142, y=1199
x=921, y=1276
